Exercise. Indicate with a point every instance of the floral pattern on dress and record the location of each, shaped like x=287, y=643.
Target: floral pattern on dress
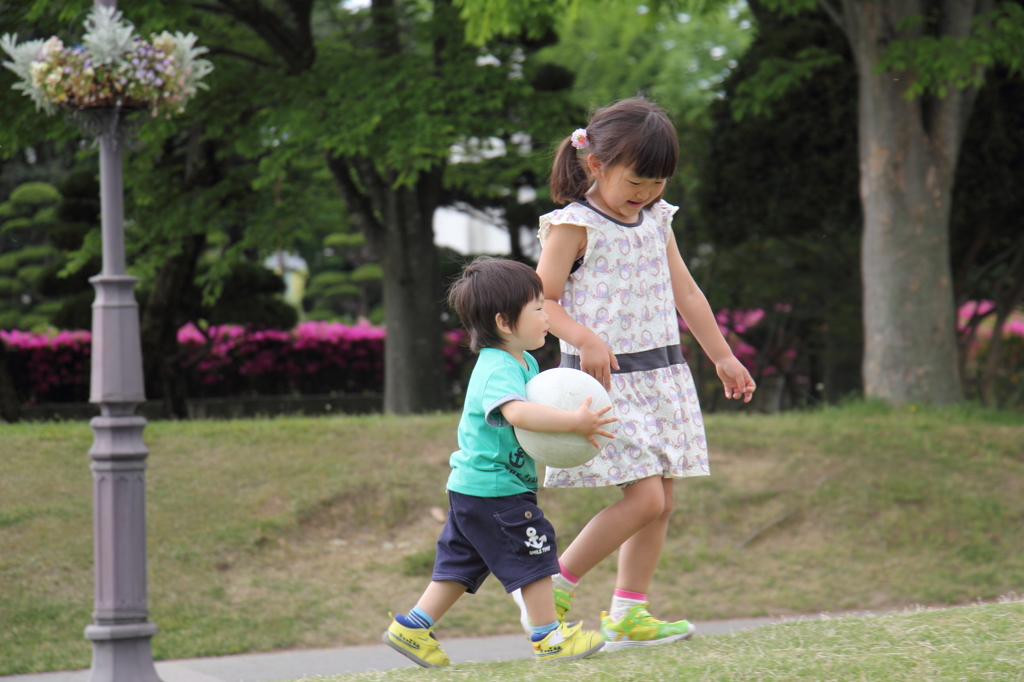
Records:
x=623, y=292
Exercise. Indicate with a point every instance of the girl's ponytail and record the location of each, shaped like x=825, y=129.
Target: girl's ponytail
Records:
x=569, y=181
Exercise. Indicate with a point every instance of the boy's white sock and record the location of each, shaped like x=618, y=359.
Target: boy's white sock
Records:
x=623, y=601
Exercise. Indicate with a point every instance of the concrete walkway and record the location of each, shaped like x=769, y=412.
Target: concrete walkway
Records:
x=302, y=663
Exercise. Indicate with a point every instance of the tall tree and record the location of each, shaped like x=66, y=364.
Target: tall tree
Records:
x=919, y=64
x=384, y=95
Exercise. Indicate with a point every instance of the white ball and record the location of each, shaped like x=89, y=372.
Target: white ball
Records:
x=563, y=388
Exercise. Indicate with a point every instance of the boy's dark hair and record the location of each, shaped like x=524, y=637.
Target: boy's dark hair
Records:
x=633, y=132
x=489, y=287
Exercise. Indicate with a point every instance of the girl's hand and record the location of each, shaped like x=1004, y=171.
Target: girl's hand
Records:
x=598, y=360
x=589, y=422
x=736, y=379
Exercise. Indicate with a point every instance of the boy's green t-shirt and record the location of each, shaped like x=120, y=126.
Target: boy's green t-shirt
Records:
x=489, y=461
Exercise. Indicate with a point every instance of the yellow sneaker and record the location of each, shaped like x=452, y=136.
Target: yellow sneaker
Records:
x=417, y=644
x=639, y=628
x=567, y=642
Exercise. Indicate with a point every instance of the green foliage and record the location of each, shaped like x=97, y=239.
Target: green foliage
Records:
x=369, y=272
x=33, y=194
x=25, y=255
x=10, y=287
x=486, y=19
x=775, y=77
x=251, y=295
x=16, y=224
x=941, y=62
x=678, y=59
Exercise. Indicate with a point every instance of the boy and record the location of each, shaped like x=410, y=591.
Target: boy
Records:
x=494, y=523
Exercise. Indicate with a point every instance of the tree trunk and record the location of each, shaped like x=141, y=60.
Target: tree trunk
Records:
x=10, y=406
x=160, y=322
x=908, y=153
x=398, y=223
x=414, y=369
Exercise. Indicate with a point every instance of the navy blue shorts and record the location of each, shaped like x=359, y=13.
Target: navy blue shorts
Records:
x=507, y=536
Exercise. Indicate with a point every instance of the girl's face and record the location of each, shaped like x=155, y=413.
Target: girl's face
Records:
x=620, y=192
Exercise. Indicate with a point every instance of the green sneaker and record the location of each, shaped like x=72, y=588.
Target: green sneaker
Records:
x=639, y=628
x=563, y=600
x=567, y=642
x=417, y=644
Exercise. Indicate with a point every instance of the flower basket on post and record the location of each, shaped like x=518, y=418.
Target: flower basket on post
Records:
x=111, y=75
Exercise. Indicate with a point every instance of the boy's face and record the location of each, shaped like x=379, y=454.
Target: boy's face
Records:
x=531, y=328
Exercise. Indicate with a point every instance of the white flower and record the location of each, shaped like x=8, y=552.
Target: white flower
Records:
x=163, y=42
x=23, y=55
x=186, y=53
x=52, y=47
x=108, y=39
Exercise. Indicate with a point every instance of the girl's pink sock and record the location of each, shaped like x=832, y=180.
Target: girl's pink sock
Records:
x=564, y=580
x=623, y=601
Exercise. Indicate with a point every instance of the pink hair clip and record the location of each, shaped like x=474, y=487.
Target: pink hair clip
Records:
x=579, y=138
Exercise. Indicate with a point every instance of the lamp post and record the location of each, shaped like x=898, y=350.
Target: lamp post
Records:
x=168, y=74
x=120, y=631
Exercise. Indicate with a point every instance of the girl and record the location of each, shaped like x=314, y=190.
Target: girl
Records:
x=613, y=280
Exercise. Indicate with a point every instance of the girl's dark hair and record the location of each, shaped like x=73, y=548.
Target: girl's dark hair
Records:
x=489, y=287
x=633, y=132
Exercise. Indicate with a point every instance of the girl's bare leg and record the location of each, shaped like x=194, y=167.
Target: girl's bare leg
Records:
x=642, y=504
x=439, y=597
x=638, y=556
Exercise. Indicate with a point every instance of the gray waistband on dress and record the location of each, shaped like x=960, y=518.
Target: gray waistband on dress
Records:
x=656, y=358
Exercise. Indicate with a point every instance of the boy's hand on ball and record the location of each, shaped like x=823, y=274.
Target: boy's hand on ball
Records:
x=736, y=379
x=589, y=422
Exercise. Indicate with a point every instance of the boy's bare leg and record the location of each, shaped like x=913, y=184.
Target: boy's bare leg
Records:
x=439, y=596
x=540, y=601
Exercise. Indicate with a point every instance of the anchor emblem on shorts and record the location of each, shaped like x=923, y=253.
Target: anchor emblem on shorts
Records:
x=534, y=541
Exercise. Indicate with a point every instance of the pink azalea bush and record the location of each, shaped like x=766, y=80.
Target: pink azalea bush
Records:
x=49, y=367
x=230, y=360
x=736, y=326
x=1010, y=372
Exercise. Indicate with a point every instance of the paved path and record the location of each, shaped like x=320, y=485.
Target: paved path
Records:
x=299, y=663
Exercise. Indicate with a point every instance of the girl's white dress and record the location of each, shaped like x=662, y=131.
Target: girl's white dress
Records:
x=622, y=291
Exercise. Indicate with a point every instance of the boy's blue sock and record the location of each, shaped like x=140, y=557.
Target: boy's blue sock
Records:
x=416, y=618
x=541, y=631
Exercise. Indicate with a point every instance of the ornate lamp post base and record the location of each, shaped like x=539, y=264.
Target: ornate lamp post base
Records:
x=122, y=652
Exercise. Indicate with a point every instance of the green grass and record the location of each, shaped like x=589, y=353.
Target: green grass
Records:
x=305, y=532
x=966, y=643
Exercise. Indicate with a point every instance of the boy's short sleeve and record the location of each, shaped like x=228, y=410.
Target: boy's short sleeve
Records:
x=501, y=388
